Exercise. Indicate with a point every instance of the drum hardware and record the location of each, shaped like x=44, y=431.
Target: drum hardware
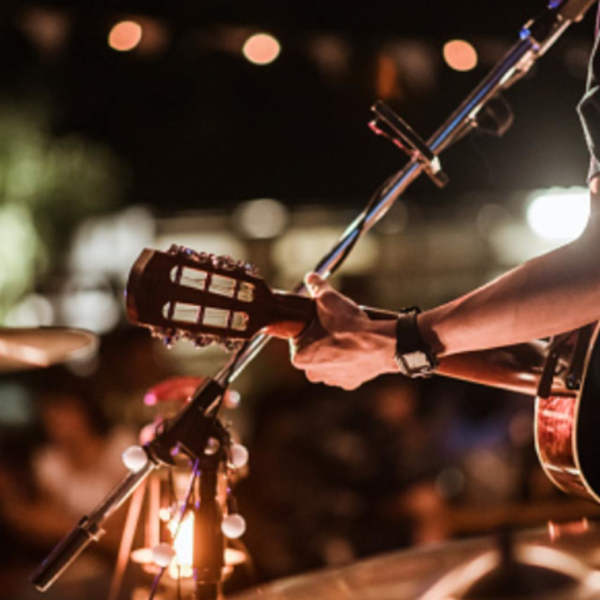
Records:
x=41, y=347
x=525, y=565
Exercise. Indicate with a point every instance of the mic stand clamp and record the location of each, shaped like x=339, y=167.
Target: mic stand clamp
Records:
x=388, y=124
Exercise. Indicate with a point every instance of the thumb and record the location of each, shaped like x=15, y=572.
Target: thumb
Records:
x=316, y=284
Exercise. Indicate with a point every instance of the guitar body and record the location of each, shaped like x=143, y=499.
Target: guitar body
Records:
x=567, y=431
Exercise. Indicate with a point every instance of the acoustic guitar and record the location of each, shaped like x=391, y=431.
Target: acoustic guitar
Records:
x=187, y=295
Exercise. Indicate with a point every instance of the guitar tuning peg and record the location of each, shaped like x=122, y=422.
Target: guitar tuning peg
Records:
x=170, y=336
x=251, y=269
x=225, y=262
x=201, y=341
x=160, y=332
x=232, y=345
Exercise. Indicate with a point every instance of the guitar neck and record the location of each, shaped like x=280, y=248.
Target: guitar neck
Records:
x=291, y=314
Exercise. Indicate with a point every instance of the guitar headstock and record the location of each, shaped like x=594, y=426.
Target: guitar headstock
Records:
x=184, y=294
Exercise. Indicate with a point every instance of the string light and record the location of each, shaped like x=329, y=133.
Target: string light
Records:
x=233, y=526
x=460, y=55
x=261, y=49
x=125, y=36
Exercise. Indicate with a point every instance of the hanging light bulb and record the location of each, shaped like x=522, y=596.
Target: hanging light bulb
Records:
x=233, y=526
x=135, y=458
x=239, y=456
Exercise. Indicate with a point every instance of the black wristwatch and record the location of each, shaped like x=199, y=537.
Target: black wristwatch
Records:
x=414, y=356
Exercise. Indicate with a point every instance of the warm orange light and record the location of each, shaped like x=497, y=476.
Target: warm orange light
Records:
x=460, y=55
x=125, y=36
x=183, y=544
x=261, y=49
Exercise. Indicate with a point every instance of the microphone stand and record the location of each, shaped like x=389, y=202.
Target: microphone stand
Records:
x=190, y=429
x=189, y=432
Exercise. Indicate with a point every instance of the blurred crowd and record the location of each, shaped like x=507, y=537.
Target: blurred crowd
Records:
x=333, y=477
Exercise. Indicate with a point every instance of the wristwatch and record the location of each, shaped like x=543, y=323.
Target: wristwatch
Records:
x=414, y=356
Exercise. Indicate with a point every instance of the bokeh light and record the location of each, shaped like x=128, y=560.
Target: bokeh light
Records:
x=559, y=214
x=460, y=55
x=261, y=49
x=262, y=219
x=125, y=36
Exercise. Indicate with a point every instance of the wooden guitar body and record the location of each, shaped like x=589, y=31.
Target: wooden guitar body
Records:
x=567, y=427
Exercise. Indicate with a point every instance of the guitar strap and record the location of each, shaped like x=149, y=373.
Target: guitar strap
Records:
x=566, y=359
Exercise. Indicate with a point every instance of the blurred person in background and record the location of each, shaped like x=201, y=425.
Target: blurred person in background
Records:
x=335, y=478
x=71, y=471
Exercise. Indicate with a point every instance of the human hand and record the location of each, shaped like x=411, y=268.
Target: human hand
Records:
x=344, y=347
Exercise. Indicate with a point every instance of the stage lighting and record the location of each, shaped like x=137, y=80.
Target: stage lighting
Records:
x=559, y=214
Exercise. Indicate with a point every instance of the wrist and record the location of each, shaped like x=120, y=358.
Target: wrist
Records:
x=427, y=331
x=385, y=336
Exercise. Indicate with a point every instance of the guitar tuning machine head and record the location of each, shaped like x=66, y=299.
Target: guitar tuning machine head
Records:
x=225, y=262
x=232, y=345
x=201, y=341
x=167, y=335
x=247, y=268
x=201, y=257
x=161, y=333
x=155, y=332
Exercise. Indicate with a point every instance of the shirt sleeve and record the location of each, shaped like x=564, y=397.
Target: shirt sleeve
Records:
x=589, y=107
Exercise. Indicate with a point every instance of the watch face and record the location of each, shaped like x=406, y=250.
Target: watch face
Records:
x=415, y=364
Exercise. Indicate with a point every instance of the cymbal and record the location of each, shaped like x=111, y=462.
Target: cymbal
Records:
x=41, y=347
x=453, y=571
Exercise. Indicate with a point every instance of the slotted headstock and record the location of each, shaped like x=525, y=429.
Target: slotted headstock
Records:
x=184, y=294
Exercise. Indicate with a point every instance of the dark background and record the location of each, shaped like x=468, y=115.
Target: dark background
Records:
x=200, y=127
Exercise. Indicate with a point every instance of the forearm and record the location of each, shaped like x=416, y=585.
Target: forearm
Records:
x=550, y=294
